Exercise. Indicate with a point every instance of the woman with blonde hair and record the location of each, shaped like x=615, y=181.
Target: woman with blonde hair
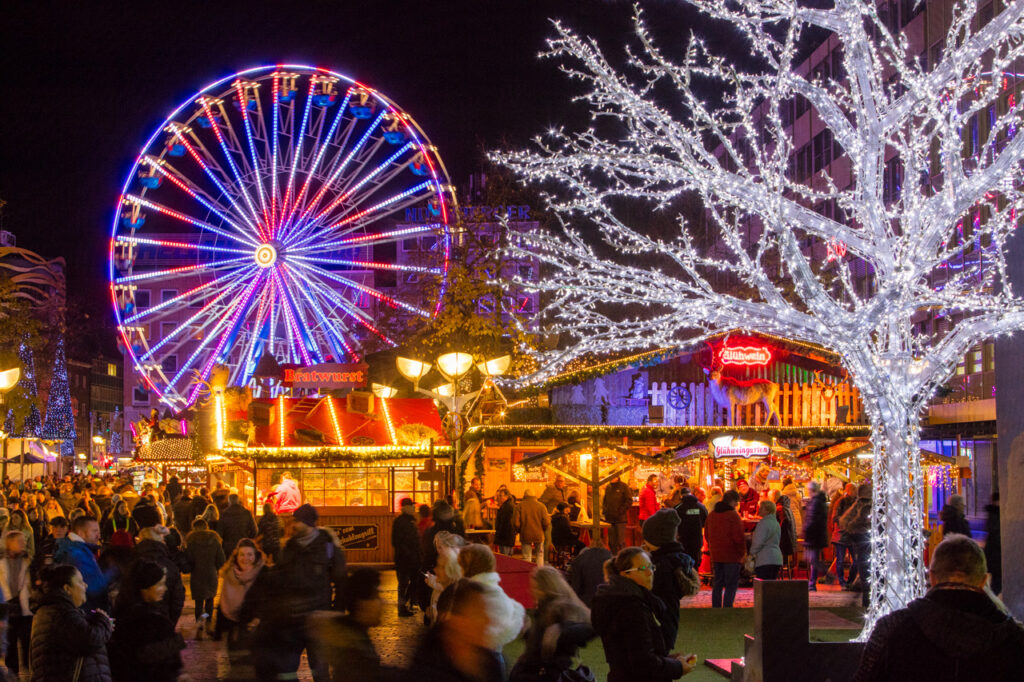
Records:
x=448, y=569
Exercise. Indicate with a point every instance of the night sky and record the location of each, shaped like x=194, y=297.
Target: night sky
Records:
x=85, y=83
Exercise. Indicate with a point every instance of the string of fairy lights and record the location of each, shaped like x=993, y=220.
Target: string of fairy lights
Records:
x=900, y=206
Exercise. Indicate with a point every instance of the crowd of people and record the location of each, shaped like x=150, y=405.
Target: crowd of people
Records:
x=93, y=576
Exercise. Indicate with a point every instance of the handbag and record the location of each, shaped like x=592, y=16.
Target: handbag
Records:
x=748, y=564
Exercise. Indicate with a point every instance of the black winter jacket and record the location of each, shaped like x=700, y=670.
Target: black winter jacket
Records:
x=405, y=538
x=183, y=515
x=949, y=635
x=666, y=561
x=310, y=571
x=617, y=501
x=626, y=616
x=533, y=665
x=816, y=522
x=269, y=529
x=61, y=634
x=174, y=600
x=236, y=522
x=430, y=663
x=692, y=516
x=145, y=645
x=504, y=524
x=953, y=522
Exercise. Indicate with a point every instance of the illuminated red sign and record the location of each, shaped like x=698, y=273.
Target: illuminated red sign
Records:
x=744, y=355
x=327, y=375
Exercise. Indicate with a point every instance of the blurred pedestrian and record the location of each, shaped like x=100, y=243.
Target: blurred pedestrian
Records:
x=815, y=533
x=152, y=546
x=68, y=643
x=994, y=544
x=649, y=498
x=145, y=645
x=79, y=549
x=236, y=522
x=533, y=522
x=504, y=523
x=764, y=545
x=270, y=532
x=586, y=570
x=205, y=555
x=345, y=639
x=615, y=508
x=626, y=614
x=673, y=577
x=405, y=540
x=692, y=517
x=953, y=516
x=15, y=587
x=727, y=546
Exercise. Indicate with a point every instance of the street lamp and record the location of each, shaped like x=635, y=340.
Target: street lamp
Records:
x=8, y=380
x=453, y=366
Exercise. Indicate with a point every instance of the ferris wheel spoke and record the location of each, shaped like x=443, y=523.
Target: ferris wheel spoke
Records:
x=215, y=125
x=229, y=334
x=297, y=151
x=227, y=285
x=275, y=106
x=338, y=303
x=178, y=215
x=169, y=302
x=371, y=265
x=211, y=168
x=321, y=150
x=336, y=340
x=369, y=291
x=387, y=163
x=369, y=239
x=297, y=312
x=247, y=124
x=182, y=182
x=295, y=334
x=256, y=333
x=339, y=168
x=175, y=272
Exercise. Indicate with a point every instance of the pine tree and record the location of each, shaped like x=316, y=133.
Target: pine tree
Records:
x=60, y=421
x=31, y=425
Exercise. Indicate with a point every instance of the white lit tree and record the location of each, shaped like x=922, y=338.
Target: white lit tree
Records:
x=930, y=247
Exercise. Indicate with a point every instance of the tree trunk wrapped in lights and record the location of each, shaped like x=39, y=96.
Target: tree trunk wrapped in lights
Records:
x=933, y=248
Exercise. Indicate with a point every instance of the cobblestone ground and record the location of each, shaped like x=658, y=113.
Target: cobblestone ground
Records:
x=395, y=639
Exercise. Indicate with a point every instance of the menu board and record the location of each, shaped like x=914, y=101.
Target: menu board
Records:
x=357, y=536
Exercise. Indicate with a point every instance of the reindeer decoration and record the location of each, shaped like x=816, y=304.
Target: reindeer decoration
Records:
x=729, y=392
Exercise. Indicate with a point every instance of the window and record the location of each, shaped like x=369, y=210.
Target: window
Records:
x=485, y=305
x=111, y=369
x=786, y=112
x=910, y=9
x=411, y=278
x=169, y=365
x=429, y=243
x=167, y=329
x=800, y=164
x=892, y=180
x=410, y=244
x=935, y=54
x=800, y=107
x=526, y=273
x=140, y=396
x=167, y=294
x=985, y=15
x=141, y=298
x=355, y=487
x=196, y=302
x=822, y=149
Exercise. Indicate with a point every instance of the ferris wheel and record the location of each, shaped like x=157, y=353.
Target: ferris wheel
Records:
x=284, y=210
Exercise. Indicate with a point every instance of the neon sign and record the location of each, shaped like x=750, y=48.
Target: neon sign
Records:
x=327, y=376
x=744, y=355
x=730, y=447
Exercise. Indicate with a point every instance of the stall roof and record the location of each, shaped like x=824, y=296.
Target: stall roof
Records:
x=666, y=436
x=173, y=449
x=328, y=422
x=583, y=445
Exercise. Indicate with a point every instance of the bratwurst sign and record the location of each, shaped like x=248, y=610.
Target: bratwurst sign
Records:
x=328, y=375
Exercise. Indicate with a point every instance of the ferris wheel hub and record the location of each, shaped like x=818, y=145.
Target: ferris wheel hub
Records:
x=265, y=255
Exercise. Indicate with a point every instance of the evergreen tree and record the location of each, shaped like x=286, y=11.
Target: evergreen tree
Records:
x=31, y=425
x=60, y=421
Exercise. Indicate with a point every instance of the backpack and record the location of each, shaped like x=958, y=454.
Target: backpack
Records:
x=121, y=538
x=688, y=579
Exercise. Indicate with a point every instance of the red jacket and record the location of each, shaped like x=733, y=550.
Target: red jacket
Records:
x=648, y=502
x=724, y=529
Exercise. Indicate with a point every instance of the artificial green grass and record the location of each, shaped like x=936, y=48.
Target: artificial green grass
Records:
x=709, y=633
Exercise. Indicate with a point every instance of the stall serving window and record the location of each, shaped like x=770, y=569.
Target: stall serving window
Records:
x=355, y=486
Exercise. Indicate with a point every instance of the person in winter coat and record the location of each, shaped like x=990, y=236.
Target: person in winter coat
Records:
x=19, y=522
x=287, y=496
x=668, y=559
x=787, y=523
x=66, y=639
x=445, y=520
x=79, y=549
x=270, y=532
x=692, y=517
x=237, y=576
x=533, y=522
x=405, y=539
x=312, y=576
x=446, y=571
x=47, y=547
x=553, y=494
x=345, y=640
x=815, y=533
x=152, y=546
x=764, y=545
x=994, y=545
x=205, y=555
x=796, y=503
x=626, y=615
x=559, y=627
x=236, y=522
x=458, y=648
x=212, y=517
x=586, y=571
x=728, y=547
x=955, y=632
x=504, y=523
x=174, y=489
x=561, y=530
x=145, y=645
x=953, y=516
x=615, y=509
x=649, y=498
x=220, y=496
x=182, y=511
x=508, y=617
x=840, y=548
x=15, y=586
x=856, y=527
x=749, y=498
x=119, y=521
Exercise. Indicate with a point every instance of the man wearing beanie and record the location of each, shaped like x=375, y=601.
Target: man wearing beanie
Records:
x=152, y=546
x=405, y=539
x=668, y=558
x=311, y=577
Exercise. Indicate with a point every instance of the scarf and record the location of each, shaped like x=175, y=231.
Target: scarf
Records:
x=234, y=586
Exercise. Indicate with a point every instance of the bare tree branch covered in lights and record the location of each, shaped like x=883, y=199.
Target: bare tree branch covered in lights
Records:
x=908, y=252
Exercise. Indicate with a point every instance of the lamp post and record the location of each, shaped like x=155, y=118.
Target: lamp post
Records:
x=99, y=446
x=453, y=366
x=8, y=380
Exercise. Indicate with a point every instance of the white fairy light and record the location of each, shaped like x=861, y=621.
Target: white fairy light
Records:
x=654, y=292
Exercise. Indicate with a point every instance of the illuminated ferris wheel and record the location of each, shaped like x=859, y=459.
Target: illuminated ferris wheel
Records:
x=265, y=216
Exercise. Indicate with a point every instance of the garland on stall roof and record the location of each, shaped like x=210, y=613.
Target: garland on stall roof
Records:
x=640, y=360
x=647, y=433
x=371, y=454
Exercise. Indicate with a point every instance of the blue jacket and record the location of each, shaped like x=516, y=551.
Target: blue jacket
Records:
x=82, y=556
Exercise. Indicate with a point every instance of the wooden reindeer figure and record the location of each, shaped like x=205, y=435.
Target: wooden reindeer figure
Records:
x=729, y=392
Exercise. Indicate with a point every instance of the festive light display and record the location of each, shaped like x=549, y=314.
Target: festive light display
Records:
x=32, y=423
x=890, y=118
x=281, y=180
x=60, y=421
